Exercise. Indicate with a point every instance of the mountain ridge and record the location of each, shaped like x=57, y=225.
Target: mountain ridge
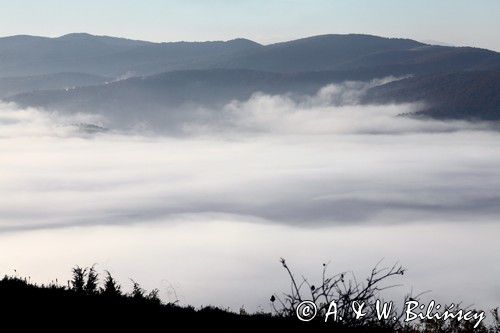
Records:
x=163, y=77
x=114, y=56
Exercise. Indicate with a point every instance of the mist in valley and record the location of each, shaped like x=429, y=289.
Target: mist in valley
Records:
x=310, y=177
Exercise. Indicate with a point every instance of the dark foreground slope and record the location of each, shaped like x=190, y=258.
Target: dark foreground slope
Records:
x=27, y=306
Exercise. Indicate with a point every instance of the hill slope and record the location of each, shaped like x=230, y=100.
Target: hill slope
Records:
x=456, y=82
x=390, y=56
x=108, y=56
x=169, y=98
x=14, y=85
x=471, y=95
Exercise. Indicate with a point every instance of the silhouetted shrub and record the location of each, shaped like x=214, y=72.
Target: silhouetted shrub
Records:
x=92, y=281
x=344, y=289
x=78, y=281
x=137, y=291
x=83, y=304
x=111, y=287
x=153, y=296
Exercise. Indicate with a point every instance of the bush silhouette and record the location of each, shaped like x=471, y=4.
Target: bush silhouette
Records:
x=78, y=281
x=111, y=287
x=85, y=302
x=92, y=280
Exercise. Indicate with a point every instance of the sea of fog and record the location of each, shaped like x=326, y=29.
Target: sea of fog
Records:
x=205, y=216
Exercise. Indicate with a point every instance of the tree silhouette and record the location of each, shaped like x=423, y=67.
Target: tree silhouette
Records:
x=111, y=287
x=92, y=280
x=78, y=281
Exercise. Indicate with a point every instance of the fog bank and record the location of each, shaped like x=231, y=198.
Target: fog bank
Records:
x=311, y=179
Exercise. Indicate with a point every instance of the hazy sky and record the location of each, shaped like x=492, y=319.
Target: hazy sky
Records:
x=460, y=22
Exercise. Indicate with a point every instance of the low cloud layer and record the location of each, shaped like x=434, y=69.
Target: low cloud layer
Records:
x=309, y=178
x=311, y=161
x=334, y=109
x=33, y=123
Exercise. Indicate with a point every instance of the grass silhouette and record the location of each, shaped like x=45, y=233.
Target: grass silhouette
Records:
x=86, y=303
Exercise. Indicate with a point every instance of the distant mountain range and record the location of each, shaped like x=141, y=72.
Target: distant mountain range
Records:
x=81, y=72
x=113, y=57
x=108, y=56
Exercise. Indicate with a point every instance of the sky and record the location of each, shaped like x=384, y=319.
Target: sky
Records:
x=455, y=22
